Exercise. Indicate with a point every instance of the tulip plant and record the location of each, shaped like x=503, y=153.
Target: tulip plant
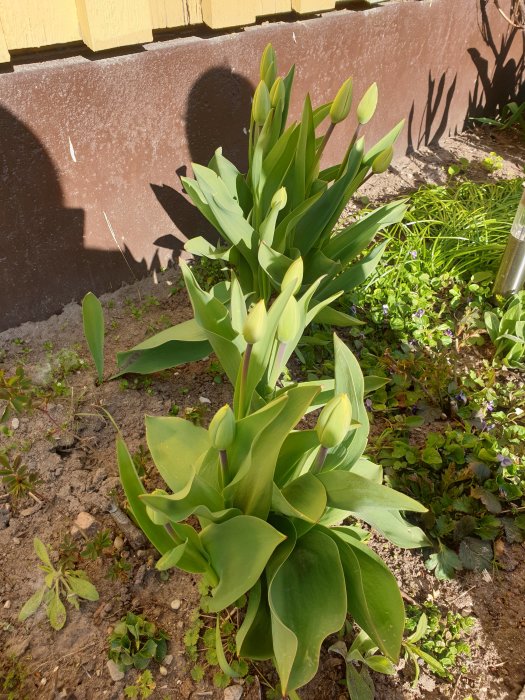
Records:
x=268, y=494
x=283, y=209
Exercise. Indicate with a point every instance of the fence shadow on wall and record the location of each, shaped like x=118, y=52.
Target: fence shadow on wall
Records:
x=219, y=105
x=44, y=262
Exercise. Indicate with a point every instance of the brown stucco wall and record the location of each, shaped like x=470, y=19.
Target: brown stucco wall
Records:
x=84, y=138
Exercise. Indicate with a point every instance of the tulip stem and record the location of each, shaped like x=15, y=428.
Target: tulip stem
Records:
x=321, y=456
x=348, y=151
x=244, y=376
x=171, y=532
x=319, y=153
x=224, y=464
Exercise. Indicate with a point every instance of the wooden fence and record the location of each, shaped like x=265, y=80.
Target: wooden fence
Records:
x=106, y=24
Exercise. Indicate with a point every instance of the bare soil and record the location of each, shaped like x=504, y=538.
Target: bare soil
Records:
x=71, y=445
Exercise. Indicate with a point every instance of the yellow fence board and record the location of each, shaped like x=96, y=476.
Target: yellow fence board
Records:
x=4, y=53
x=29, y=24
x=222, y=13
x=272, y=7
x=305, y=6
x=175, y=13
x=106, y=24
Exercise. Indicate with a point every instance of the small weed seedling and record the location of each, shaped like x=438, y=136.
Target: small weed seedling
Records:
x=13, y=677
x=119, y=569
x=95, y=547
x=492, y=163
x=457, y=169
x=16, y=393
x=142, y=688
x=17, y=478
x=135, y=642
x=69, y=584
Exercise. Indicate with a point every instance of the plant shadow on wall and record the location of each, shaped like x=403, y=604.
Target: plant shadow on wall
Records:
x=44, y=260
x=500, y=70
x=218, y=106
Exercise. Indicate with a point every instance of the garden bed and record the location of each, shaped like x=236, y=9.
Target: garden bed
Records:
x=68, y=441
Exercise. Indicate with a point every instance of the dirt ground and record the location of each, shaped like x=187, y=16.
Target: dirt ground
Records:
x=71, y=445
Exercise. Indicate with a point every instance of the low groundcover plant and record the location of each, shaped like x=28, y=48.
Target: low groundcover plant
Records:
x=269, y=494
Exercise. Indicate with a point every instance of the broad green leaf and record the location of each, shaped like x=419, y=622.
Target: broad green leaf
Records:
x=221, y=656
x=93, y=321
x=197, y=498
x=31, y=606
x=420, y=630
x=355, y=274
x=444, y=563
x=387, y=140
x=374, y=600
x=273, y=263
x=333, y=317
x=380, y=664
x=238, y=551
x=233, y=179
x=346, y=244
x=185, y=557
x=56, y=612
x=360, y=685
x=276, y=165
x=373, y=383
x=203, y=248
x=252, y=491
x=185, y=342
x=303, y=498
x=317, y=608
x=395, y=528
x=475, y=554
x=82, y=587
x=133, y=488
x=351, y=492
x=295, y=447
x=283, y=232
x=41, y=552
x=254, y=638
x=176, y=446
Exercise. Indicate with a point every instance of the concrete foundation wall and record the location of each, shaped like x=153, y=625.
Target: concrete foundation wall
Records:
x=91, y=150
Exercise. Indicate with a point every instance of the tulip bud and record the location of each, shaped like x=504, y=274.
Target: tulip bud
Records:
x=289, y=322
x=261, y=104
x=383, y=160
x=368, y=104
x=342, y=102
x=254, y=326
x=222, y=428
x=277, y=92
x=295, y=271
x=279, y=199
x=334, y=421
x=268, y=66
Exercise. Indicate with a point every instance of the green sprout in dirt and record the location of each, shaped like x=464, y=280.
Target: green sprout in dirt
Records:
x=438, y=639
x=200, y=643
x=69, y=584
x=18, y=479
x=95, y=547
x=135, y=641
x=16, y=392
x=13, y=679
x=119, y=570
x=142, y=688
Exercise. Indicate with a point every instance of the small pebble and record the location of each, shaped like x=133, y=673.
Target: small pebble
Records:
x=203, y=399
x=233, y=692
x=15, y=423
x=114, y=671
x=7, y=604
x=163, y=671
x=43, y=681
x=168, y=660
x=175, y=604
x=16, y=540
x=180, y=624
x=118, y=542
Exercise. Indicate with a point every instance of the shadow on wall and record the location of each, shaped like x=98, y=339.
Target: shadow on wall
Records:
x=434, y=120
x=219, y=105
x=43, y=261
x=496, y=84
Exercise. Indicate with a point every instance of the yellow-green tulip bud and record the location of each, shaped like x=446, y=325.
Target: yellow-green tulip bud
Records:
x=334, y=421
x=277, y=92
x=255, y=323
x=261, y=104
x=368, y=104
x=279, y=199
x=222, y=428
x=294, y=272
x=342, y=102
x=268, y=66
x=289, y=322
x=383, y=160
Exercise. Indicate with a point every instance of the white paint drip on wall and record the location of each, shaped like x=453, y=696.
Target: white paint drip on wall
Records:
x=72, y=151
